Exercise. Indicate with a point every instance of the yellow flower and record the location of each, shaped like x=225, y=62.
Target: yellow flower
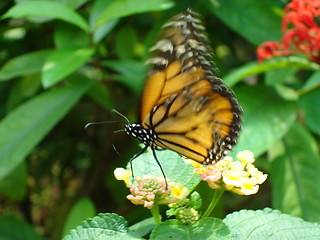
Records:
x=249, y=188
x=123, y=174
x=241, y=177
x=246, y=157
x=235, y=178
x=179, y=191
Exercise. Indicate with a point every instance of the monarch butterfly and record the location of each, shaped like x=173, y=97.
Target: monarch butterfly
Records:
x=185, y=107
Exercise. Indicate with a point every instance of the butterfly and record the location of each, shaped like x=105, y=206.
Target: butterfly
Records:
x=185, y=107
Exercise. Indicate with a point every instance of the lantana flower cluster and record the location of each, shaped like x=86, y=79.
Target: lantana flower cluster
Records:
x=241, y=177
x=301, y=32
x=151, y=190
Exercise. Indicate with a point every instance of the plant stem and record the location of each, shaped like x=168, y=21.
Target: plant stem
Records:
x=306, y=90
x=155, y=213
x=215, y=199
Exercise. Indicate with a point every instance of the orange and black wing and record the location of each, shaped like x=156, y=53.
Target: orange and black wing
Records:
x=191, y=111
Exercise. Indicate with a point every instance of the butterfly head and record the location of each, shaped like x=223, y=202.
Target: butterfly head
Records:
x=146, y=136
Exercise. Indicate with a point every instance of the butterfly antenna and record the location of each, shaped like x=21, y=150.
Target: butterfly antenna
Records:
x=121, y=130
x=120, y=114
x=98, y=123
x=115, y=149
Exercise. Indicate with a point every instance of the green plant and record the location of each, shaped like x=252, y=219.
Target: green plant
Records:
x=66, y=63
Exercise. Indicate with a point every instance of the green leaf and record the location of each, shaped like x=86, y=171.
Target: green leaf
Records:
x=132, y=73
x=280, y=76
x=266, y=118
x=142, y=228
x=261, y=21
x=173, y=165
x=122, y=8
x=108, y=226
x=23, y=88
x=309, y=101
x=295, y=173
x=254, y=68
x=49, y=9
x=82, y=210
x=74, y=4
x=26, y=64
x=195, y=200
x=14, y=185
x=269, y=224
x=68, y=36
x=23, y=128
x=126, y=39
x=63, y=62
x=13, y=228
x=208, y=228
x=102, y=30
x=102, y=95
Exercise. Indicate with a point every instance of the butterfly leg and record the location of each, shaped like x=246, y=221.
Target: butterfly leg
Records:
x=134, y=157
x=155, y=157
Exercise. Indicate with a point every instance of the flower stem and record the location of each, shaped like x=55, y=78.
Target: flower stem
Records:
x=155, y=213
x=215, y=199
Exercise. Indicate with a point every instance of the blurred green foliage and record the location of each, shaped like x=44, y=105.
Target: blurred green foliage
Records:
x=64, y=63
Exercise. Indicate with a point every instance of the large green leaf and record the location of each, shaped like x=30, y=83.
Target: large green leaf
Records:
x=174, y=167
x=22, y=129
x=107, y=226
x=280, y=76
x=295, y=175
x=268, y=224
x=309, y=101
x=68, y=36
x=267, y=118
x=81, y=210
x=63, y=62
x=74, y=4
x=208, y=228
x=103, y=29
x=256, y=21
x=13, y=228
x=122, y=8
x=25, y=64
x=23, y=88
x=143, y=227
x=49, y=9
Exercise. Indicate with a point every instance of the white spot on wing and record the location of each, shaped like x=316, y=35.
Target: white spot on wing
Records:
x=180, y=50
x=157, y=61
x=192, y=19
x=163, y=45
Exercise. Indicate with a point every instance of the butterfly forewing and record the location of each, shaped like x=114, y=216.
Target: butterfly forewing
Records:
x=186, y=107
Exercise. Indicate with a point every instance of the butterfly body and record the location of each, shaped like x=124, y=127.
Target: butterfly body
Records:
x=185, y=107
x=146, y=136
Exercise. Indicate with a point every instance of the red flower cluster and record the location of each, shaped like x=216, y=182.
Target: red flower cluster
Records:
x=301, y=32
